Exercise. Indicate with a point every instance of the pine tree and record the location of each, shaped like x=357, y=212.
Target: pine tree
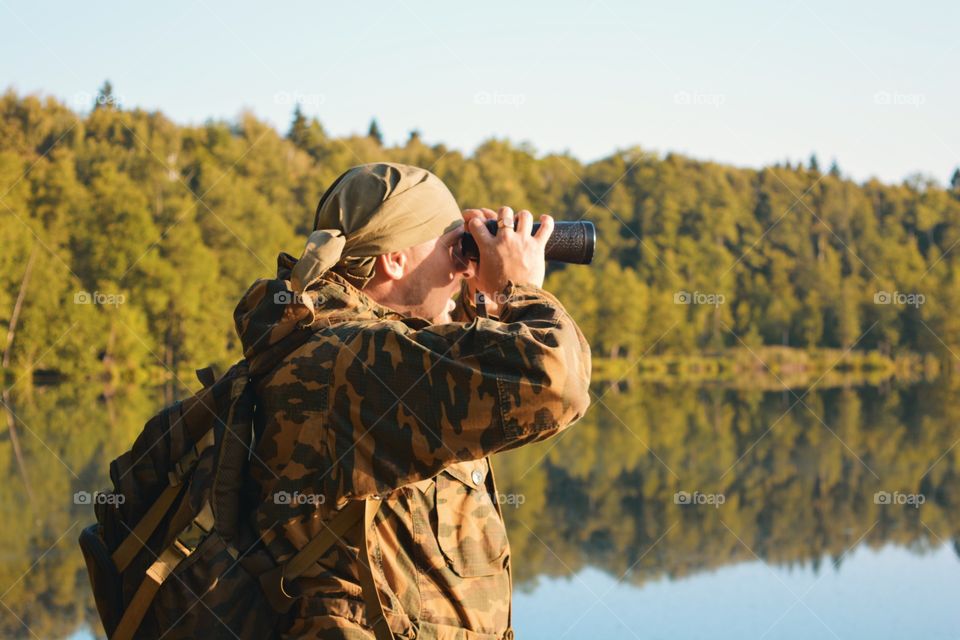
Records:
x=955, y=180
x=814, y=164
x=298, y=128
x=374, y=132
x=105, y=98
x=834, y=168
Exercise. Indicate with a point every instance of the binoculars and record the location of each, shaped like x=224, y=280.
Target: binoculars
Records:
x=570, y=242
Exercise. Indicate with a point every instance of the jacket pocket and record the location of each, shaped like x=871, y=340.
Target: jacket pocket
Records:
x=470, y=532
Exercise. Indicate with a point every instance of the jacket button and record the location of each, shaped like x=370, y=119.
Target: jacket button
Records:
x=477, y=477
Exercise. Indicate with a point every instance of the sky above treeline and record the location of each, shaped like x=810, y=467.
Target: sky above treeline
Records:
x=871, y=84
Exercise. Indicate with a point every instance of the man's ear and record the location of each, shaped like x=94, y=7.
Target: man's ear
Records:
x=392, y=265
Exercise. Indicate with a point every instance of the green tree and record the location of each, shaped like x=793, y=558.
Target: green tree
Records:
x=374, y=132
x=105, y=98
x=834, y=168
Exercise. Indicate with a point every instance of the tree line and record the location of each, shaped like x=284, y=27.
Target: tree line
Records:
x=129, y=238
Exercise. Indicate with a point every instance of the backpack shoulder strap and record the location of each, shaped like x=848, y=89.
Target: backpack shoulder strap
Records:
x=278, y=583
x=345, y=520
x=180, y=549
x=376, y=617
x=138, y=536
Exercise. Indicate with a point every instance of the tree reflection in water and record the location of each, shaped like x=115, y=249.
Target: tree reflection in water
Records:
x=797, y=479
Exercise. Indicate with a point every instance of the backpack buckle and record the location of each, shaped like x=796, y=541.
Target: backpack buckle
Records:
x=185, y=464
x=190, y=538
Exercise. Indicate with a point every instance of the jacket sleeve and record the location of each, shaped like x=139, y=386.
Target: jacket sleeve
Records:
x=407, y=402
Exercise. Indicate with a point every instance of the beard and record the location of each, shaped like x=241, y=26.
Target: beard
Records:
x=419, y=299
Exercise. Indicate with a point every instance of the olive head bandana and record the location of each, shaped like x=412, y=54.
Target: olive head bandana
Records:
x=370, y=210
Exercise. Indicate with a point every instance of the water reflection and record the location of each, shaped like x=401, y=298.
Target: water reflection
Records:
x=798, y=480
x=888, y=593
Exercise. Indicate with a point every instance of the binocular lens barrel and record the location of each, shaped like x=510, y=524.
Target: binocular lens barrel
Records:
x=570, y=242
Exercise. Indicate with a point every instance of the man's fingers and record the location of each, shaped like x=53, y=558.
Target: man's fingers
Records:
x=483, y=213
x=506, y=215
x=479, y=231
x=524, y=222
x=469, y=214
x=546, y=228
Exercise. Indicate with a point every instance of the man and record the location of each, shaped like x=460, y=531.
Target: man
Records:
x=389, y=401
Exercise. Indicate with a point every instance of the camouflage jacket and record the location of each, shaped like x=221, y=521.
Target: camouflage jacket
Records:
x=376, y=404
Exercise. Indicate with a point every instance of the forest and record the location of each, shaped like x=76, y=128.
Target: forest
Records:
x=127, y=240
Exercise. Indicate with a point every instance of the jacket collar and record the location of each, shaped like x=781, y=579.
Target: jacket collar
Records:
x=334, y=298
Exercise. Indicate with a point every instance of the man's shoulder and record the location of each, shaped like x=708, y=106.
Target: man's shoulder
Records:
x=348, y=332
x=346, y=326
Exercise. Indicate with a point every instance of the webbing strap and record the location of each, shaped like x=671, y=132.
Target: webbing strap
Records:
x=186, y=462
x=349, y=516
x=376, y=617
x=181, y=548
x=508, y=634
x=158, y=572
x=137, y=538
x=277, y=583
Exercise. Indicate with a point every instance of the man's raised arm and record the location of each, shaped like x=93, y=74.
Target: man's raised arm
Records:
x=413, y=402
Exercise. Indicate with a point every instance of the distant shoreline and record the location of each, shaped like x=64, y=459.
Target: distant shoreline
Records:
x=764, y=368
x=770, y=368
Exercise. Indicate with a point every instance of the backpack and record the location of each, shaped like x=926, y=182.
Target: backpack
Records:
x=173, y=553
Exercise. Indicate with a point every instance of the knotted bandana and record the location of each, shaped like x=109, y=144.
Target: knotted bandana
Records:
x=370, y=210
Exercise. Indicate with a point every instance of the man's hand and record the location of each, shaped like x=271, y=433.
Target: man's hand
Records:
x=509, y=255
x=483, y=214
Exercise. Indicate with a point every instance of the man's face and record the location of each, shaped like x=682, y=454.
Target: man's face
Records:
x=432, y=275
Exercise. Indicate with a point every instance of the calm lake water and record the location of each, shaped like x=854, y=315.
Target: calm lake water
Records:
x=667, y=512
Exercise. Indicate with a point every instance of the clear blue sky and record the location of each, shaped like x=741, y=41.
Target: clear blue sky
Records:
x=873, y=84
